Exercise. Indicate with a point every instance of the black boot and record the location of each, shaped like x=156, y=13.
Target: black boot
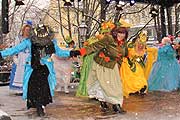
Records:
x=134, y=94
x=103, y=106
x=118, y=109
x=142, y=91
x=40, y=111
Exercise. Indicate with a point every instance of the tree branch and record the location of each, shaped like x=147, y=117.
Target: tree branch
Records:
x=140, y=30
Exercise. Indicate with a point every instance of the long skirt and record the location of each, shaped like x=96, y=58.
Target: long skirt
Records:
x=105, y=84
x=63, y=68
x=165, y=76
x=132, y=81
x=17, y=73
x=38, y=88
x=86, y=67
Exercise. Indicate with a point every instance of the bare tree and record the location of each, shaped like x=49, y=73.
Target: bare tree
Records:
x=169, y=20
x=87, y=10
x=157, y=25
x=29, y=4
x=19, y=14
x=177, y=16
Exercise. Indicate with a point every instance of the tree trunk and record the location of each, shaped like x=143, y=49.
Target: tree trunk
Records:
x=177, y=15
x=158, y=31
x=78, y=22
x=117, y=14
x=60, y=20
x=69, y=23
x=169, y=20
x=163, y=25
x=103, y=10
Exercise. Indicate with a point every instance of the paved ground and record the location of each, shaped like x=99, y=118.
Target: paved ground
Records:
x=153, y=106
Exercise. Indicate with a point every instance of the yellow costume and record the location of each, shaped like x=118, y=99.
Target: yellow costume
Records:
x=151, y=58
x=132, y=68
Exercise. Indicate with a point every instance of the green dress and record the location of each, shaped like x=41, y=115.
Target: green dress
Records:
x=86, y=67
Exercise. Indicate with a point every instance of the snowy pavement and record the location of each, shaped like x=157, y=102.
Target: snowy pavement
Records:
x=153, y=106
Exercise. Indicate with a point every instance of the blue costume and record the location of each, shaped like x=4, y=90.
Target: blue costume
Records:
x=165, y=74
x=45, y=60
x=17, y=72
x=39, y=75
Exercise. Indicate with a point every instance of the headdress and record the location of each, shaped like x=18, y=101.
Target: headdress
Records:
x=140, y=40
x=123, y=23
x=107, y=26
x=29, y=22
x=142, y=37
x=42, y=34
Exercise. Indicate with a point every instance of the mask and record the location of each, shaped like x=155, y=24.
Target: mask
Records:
x=42, y=35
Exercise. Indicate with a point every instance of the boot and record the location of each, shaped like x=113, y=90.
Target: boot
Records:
x=40, y=111
x=66, y=90
x=103, y=106
x=142, y=91
x=118, y=109
x=134, y=94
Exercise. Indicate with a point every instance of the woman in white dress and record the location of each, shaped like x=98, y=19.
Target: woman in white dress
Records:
x=17, y=73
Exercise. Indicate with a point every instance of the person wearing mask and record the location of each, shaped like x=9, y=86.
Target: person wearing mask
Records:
x=39, y=77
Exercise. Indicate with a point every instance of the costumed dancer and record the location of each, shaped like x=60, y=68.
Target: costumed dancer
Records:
x=39, y=77
x=165, y=74
x=19, y=61
x=104, y=81
x=132, y=67
x=63, y=67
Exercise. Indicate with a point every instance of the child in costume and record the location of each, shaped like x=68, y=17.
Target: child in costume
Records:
x=165, y=74
x=39, y=77
x=63, y=68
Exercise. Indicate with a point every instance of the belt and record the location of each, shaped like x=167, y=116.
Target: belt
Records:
x=28, y=63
